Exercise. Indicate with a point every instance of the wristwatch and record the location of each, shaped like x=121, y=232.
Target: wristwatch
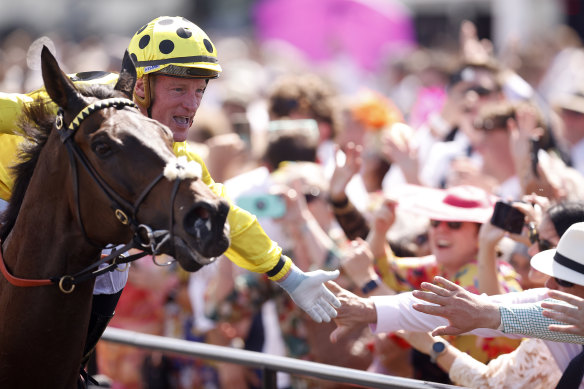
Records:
x=370, y=286
x=437, y=348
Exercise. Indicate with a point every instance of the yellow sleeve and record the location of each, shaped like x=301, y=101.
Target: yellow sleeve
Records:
x=250, y=248
x=11, y=105
x=9, y=145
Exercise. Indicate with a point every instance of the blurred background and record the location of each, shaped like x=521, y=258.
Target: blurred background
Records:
x=362, y=35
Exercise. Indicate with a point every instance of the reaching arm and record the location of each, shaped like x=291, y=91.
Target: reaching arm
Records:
x=488, y=271
x=466, y=311
x=572, y=316
x=529, y=320
x=309, y=293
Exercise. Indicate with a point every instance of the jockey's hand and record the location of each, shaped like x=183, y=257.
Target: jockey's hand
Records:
x=309, y=293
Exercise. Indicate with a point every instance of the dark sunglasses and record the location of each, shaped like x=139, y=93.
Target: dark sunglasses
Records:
x=480, y=90
x=451, y=225
x=565, y=284
x=543, y=244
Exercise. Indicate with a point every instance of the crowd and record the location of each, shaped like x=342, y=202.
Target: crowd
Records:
x=399, y=195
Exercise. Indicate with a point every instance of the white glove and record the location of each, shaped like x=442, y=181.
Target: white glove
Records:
x=309, y=293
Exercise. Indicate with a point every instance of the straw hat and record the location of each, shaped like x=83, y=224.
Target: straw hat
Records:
x=565, y=262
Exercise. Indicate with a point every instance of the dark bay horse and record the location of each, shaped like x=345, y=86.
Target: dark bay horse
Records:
x=96, y=173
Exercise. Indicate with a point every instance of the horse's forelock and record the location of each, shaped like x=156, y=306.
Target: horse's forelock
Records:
x=36, y=124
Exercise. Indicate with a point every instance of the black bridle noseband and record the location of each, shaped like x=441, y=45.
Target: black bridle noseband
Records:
x=144, y=238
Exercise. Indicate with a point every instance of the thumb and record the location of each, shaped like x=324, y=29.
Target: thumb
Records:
x=446, y=330
x=322, y=276
x=337, y=333
x=333, y=287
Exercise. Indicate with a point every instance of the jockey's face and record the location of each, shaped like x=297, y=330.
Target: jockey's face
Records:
x=175, y=102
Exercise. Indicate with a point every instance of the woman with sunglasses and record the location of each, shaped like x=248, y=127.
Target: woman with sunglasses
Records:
x=528, y=365
x=534, y=363
x=455, y=216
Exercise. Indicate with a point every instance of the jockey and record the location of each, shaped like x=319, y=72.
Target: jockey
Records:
x=175, y=60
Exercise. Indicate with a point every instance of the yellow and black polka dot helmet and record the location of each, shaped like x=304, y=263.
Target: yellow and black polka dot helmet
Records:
x=174, y=46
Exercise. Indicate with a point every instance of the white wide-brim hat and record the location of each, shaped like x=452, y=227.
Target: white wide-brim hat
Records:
x=566, y=261
x=463, y=203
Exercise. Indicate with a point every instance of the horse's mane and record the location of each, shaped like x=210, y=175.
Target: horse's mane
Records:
x=36, y=124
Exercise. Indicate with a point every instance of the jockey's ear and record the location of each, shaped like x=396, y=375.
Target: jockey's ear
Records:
x=59, y=87
x=127, y=79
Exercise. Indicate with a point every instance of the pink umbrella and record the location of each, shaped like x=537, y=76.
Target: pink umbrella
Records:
x=366, y=30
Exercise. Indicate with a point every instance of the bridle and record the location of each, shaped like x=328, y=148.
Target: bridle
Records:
x=144, y=238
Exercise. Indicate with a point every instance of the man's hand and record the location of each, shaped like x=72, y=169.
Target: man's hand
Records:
x=354, y=311
x=309, y=293
x=464, y=310
x=573, y=316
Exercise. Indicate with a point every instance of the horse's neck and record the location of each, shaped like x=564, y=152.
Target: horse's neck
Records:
x=46, y=240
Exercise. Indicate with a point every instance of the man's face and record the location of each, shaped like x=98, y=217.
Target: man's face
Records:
x=454, y=244
x=175, y=102
x=577, y=290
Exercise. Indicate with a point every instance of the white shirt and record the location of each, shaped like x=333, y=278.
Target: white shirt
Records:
x=396, y=313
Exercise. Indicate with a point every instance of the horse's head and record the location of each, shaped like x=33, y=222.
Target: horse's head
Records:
x=129, y=181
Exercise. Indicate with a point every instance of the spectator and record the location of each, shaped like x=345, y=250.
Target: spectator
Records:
x=456, y=215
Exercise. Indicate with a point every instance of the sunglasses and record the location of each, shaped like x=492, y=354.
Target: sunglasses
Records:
x=543, y=244
x=451, y=225
x=565, y=284
x=480, y=90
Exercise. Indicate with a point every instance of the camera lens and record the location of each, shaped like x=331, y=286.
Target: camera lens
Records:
x=260, y=205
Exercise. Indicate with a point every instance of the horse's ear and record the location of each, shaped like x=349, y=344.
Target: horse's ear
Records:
x=127, y=80
x=59, y=87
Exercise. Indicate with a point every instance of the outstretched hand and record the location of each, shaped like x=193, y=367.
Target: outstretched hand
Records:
x=464, y=310
x=354, y=311
x=573, y=316
x=309, y=293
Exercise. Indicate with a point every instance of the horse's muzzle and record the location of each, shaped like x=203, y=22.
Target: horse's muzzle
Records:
x=207, y=223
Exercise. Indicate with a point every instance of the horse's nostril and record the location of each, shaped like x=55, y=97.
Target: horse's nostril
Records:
x=201, y=212
x=198, y=221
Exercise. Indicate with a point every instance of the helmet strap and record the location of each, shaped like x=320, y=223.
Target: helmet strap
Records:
x=146, y=101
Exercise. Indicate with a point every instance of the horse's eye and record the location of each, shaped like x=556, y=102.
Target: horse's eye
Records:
x=102, y=149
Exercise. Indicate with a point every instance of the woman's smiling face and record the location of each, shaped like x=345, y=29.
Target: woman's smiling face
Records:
x=454, y=247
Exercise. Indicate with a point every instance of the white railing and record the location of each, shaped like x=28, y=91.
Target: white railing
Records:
x=270, y=364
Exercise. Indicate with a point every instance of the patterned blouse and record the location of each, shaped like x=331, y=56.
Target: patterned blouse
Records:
x=406, y=274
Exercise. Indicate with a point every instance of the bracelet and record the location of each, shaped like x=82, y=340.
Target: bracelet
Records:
x=339, y=204
x=370, y=286
x=347, y=208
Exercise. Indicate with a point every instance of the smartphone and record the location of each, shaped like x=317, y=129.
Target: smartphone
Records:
x=263, y=205
x=508, y=218
x=535, y=147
